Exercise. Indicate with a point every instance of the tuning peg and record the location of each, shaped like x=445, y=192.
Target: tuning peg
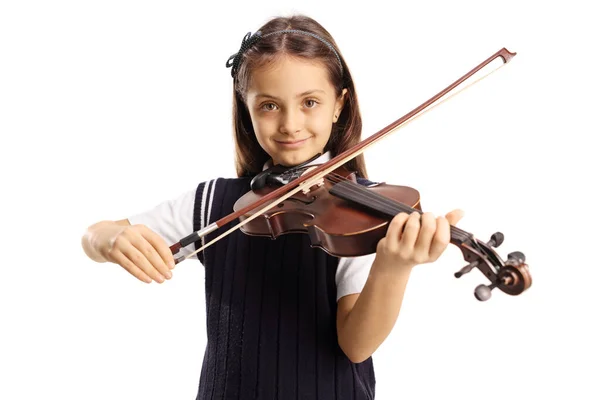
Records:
x=483, y=292
x=517, y=256
x=466, y=269
x=496, y=239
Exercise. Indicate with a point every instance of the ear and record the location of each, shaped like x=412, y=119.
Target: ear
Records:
x=339, y=105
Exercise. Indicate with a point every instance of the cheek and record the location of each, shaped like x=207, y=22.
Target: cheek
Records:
x=256, y=123
x=263, y=128
x=321, y=124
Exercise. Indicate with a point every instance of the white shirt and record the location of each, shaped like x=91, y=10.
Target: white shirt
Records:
x=173, y=220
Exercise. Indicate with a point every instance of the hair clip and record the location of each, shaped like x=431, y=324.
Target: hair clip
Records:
x=248, y=41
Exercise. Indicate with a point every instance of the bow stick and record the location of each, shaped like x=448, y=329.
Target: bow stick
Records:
x=314, y=176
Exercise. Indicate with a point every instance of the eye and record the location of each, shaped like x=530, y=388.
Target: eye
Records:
x=268, y=107
x=311, y=103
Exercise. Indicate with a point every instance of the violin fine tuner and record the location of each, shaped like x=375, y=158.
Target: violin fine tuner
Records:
x=511, y=277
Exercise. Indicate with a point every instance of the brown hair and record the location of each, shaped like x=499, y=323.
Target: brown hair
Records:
x=346, y=132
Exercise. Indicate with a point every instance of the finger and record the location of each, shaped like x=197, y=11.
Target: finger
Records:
x=411, y=231
x=150, y=253
x=440, y=239
x=130, y=267
x=161, y=247
x=138, y=259
x=454, y=216
x=428, y=229
x=395, y=229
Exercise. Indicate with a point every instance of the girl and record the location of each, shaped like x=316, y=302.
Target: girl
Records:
x=284, y=320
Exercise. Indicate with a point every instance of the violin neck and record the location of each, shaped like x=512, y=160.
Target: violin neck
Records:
x=384, y=206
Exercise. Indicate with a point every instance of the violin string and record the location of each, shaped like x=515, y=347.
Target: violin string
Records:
x=363, y=195
x=393, y=206
x=390, y=206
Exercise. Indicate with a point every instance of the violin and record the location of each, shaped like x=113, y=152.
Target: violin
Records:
x=348, y=219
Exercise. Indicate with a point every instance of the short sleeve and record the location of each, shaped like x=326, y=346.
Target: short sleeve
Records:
x=172, y=220
x=352, y=274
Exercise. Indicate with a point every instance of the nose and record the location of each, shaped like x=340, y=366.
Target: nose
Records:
x=291, y=122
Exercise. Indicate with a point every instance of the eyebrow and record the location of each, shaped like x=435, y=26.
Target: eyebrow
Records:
x=300, y=95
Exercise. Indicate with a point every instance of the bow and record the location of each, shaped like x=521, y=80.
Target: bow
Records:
x=235, y=59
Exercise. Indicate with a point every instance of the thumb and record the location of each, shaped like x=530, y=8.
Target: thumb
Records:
x=454, y=216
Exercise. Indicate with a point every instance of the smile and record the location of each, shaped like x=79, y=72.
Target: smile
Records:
x=291, y=144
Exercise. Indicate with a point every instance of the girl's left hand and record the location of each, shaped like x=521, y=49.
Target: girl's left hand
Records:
x=415, y=239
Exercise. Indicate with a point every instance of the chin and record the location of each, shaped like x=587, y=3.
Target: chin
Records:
x=298, y=157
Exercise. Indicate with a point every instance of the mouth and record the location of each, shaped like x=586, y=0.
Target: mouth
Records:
x=291, y=143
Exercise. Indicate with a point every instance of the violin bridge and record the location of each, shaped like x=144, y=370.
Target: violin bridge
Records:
x=318, y=184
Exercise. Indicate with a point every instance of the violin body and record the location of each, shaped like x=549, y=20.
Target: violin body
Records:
x=335, y=225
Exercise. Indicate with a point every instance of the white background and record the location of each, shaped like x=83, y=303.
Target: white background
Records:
x=109, y=107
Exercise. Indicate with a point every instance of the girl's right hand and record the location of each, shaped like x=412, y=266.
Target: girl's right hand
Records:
x=142, y=252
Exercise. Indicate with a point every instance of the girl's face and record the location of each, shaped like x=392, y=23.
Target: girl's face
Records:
x=293, y=106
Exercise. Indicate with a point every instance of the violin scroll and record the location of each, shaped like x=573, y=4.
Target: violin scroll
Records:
x=511, y=276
